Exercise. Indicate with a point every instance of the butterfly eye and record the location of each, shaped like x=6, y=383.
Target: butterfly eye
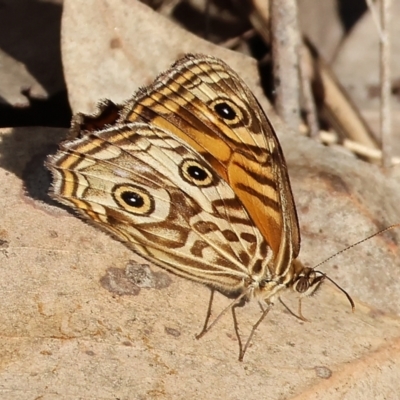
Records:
x=302, y=285
x=133, y=199
x=196, y=174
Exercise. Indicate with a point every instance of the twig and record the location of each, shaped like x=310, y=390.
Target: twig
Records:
x=385, y=120
x=306, y=76
x=330, y=138
x=285, y=41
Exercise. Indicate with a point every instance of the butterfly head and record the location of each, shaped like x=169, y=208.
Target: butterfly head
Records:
x=307, y=281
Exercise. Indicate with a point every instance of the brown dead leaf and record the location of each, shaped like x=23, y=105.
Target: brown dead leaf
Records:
x=110, y=48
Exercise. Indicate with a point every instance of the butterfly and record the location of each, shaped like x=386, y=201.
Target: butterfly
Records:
x=190, y=175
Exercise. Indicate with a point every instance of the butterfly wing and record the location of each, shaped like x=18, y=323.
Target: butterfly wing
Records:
x=162, y=198
x=204, y=102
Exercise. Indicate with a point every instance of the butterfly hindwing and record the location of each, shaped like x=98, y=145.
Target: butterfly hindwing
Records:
x=155, y=193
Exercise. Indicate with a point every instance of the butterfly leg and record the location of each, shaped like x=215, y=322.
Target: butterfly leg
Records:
x=300, y=312
x=299, y=315
x=242, y=350
x=236, y=327
x=205, y=326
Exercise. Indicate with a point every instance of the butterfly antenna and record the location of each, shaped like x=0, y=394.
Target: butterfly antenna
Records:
x=356, y=244
x=342, y=251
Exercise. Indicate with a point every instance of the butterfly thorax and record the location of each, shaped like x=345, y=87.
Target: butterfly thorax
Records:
x=265, y=287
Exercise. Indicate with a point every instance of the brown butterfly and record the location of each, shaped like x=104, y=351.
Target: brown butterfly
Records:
x=190, y=175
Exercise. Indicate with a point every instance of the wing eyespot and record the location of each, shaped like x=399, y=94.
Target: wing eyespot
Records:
x=232, y=113
x=133, y=199
x=196, y=173
x=225, y=111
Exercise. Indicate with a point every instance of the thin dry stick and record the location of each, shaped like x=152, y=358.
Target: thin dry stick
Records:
x=340, y=111
x=235, y=41
x=385, y=117
x=306, y=76
x=285, y=41
x=330, y=138
x=259, y=17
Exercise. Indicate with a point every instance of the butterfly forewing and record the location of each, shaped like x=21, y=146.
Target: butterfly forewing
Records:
x=201, y=100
